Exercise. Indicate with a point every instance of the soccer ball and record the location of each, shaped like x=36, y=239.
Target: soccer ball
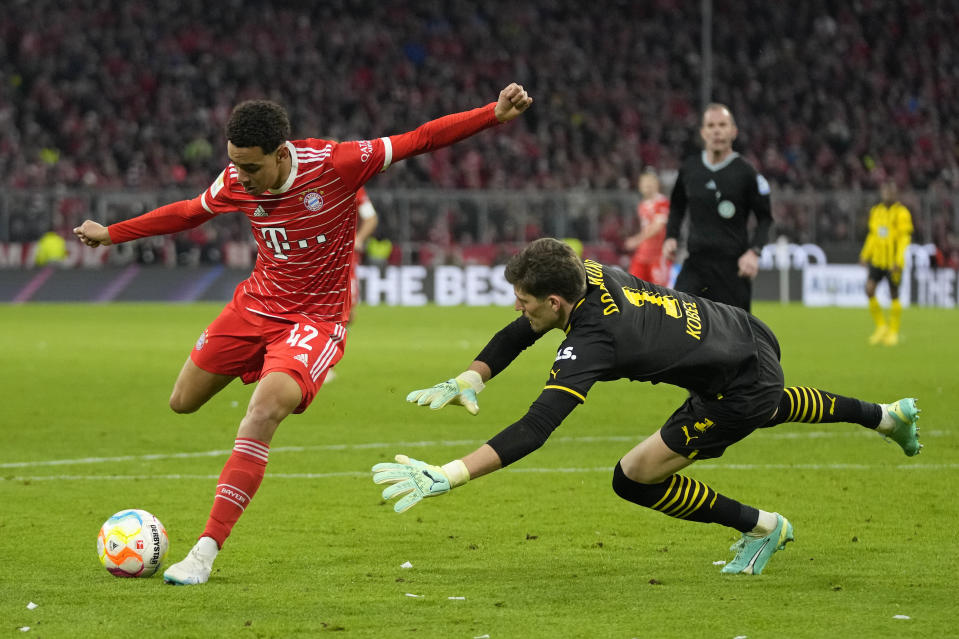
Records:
x=132, y=543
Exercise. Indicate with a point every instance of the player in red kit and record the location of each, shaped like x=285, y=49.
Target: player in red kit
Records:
x=284, y=328
x=648, y=262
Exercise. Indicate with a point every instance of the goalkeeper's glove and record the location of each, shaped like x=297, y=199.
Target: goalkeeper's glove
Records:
x=461, y=390
x=417, y=480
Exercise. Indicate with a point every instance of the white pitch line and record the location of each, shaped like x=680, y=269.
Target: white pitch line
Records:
x=224, y=452
x=421, y=444
x=564, y=471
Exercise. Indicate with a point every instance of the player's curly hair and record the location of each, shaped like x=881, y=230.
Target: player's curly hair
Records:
x=259, y=123
x=545, y=267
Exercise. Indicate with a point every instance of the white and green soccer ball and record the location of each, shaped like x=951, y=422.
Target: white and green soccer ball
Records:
x=132, y=543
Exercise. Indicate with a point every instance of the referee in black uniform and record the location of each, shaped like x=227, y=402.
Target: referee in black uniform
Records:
x=720, y=189
x=620, y=327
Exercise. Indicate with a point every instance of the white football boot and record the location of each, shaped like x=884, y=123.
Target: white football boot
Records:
x=196, y=567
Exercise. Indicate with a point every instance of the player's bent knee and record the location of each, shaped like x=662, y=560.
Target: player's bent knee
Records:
x=636, y=492
x=637, y=466
x=267, y=413
x=180, y=406
x=276, y=396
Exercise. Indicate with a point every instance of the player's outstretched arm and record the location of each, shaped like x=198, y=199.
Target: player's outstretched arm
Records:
x=449, y=129
x=513, y=100
x=461, y=390
x=93, y=234
x=413, y=480
x=169, y=218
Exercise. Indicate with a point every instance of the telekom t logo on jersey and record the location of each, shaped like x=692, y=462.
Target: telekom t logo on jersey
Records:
x=275, y=237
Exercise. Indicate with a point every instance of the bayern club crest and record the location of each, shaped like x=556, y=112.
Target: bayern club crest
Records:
x=313, y=201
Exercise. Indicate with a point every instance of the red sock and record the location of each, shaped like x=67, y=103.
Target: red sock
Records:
x=240, y=478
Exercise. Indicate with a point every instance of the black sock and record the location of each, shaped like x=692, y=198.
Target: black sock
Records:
x=686, y=498
x=814, y=406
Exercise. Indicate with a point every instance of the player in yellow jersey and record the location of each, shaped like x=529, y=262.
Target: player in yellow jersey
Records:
x=884, y=252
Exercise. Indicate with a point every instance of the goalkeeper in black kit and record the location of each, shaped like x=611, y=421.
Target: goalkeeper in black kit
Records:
x=720, y=189
x=618, y=326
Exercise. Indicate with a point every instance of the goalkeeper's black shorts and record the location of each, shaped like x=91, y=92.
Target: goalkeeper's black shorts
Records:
x=703, y=427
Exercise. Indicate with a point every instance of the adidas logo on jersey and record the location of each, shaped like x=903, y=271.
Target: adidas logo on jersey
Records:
x=711, y=185
x=260, y=211
x=302, y=358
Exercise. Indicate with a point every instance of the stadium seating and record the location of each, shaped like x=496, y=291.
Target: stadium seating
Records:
x=133, y=94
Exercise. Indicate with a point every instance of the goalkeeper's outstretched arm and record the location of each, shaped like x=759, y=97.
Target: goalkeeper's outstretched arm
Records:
x=412, y=480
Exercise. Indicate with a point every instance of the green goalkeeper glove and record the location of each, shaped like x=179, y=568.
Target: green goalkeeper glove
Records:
x=460, y=390
x=417, y=480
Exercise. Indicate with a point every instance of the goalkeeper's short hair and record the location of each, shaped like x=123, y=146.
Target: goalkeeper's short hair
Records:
x=545, y=267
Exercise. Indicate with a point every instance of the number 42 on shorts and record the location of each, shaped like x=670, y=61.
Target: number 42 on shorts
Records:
x=302, y=340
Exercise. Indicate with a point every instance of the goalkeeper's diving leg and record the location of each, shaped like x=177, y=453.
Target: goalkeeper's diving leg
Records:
x=648, y=475
x=896, y=422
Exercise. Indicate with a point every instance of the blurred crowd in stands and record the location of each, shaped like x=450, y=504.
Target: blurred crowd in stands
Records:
x=827, y=94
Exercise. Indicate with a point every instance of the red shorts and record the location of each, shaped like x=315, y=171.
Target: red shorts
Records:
x=247, y=345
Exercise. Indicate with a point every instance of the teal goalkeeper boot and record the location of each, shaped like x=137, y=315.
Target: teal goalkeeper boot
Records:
x=904, y=417
x=753, y=553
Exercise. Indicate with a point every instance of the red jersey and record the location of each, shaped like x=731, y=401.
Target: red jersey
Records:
x=650, y=211
x=305, y=230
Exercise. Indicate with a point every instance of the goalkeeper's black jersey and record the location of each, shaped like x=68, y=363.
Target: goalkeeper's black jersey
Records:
x=720, y=198
x=627, y=328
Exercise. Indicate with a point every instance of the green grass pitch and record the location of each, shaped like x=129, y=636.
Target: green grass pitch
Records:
x=543, y=549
